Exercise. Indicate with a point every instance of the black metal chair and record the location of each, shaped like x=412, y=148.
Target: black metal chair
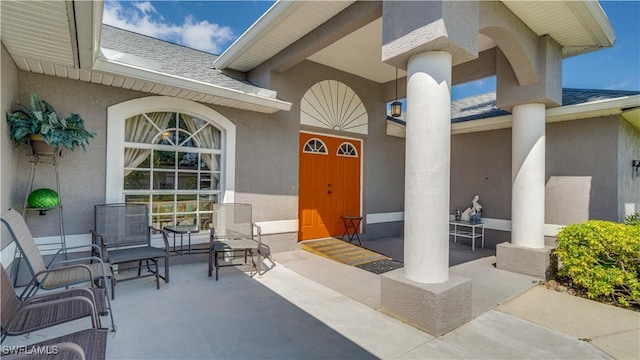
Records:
x=123, y=233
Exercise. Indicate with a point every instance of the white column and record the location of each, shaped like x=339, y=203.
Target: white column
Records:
x=427, y=167
x=528, y=176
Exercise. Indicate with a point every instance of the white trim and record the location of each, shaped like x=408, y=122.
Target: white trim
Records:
x=565, y=113
x=252, y=35
x=552, y=229
x=278, y=226
x=326, y=149
x=378, y=218
x=347, y=155
x=115, y=67
x=497, y=224
x=595, y=20
x=116, y=114
x=489, y=223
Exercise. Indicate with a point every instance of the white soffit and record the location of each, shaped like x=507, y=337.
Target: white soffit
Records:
x=37, y=30
x=40, y=37
x=359, y=53
x=283, y=24
x=578, y=26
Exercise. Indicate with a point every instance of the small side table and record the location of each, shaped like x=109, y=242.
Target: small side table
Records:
x=351, y=226
x=467, y=229
x=182, y=229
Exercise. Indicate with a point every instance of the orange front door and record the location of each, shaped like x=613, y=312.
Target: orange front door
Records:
x=329, y=184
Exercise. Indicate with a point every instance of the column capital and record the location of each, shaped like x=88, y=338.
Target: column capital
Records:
x=413, y=27
x=547, y=90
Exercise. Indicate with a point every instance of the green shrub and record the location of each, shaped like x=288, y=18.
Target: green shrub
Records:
x=633, y=219
x=604, y=258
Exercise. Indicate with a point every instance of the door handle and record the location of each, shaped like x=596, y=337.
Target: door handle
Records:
x=330, y=188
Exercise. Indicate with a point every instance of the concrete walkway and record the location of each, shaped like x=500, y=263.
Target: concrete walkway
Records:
x=305, y=306
x=513, y=316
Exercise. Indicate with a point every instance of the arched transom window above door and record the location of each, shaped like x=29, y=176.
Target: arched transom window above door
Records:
x=347, y=149
x=331, y=104
x=315, y=146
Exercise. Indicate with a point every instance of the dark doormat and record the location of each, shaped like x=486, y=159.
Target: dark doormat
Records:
x=381, y=266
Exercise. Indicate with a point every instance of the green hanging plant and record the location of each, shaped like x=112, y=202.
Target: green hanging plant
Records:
x=42, y=119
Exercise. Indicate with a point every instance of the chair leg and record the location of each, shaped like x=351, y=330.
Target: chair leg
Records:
x=155, y=263
x=217, y=264
x=210, y=262
x=166, y=269
x=111, y=296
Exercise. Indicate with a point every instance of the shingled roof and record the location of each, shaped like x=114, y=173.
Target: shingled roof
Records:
x=484, y=106
x=166, y=57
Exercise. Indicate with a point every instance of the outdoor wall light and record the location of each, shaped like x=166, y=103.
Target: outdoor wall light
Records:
x=635, y=166
x=396, y=106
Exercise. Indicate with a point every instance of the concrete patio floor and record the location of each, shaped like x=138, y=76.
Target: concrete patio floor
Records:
x=305, y=306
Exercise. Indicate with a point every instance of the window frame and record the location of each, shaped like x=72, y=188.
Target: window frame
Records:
x=116, y=116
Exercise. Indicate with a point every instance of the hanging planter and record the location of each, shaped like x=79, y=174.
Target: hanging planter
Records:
x=41, y=148
x=41, y=120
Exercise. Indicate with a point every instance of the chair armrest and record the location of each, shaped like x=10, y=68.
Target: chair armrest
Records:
x=46, y=297
x=46, y=273
x=258, y=234
x=102, y=245
x=81, y=299
x=165, y=238
x=93, y=247
x=73, y=261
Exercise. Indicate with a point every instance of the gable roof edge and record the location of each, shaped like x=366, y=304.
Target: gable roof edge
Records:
x=264, y=104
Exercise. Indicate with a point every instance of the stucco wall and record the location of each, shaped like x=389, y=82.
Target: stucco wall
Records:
x=481, y=165
x=628, y=184
x=581, y=162
x=383, y=182
x=82, y=174
x=9, y=83
x=266, y=156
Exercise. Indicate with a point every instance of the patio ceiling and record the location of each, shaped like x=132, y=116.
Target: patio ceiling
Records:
x=578, y=26
x=61, y=38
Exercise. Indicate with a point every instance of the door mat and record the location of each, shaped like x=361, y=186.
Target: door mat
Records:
x=342, y=251
x=381, y=266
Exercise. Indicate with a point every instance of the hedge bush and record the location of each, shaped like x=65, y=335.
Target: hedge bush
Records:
x=604, y=259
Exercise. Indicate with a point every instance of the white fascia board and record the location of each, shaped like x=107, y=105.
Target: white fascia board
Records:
x=592, y=109
x=88, y=27
x=116, y=68
x=565, y=113
x=255, y=33
x=595, y=20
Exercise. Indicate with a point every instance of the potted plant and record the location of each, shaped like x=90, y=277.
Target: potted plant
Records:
x=41, y=122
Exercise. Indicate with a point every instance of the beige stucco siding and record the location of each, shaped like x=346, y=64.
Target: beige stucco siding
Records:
x=584, y=154
x=628, y=184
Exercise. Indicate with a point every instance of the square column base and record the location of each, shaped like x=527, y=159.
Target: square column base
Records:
x=434, y=308
x=524, y=260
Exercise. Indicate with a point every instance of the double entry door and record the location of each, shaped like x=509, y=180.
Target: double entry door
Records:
x=329, y=183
